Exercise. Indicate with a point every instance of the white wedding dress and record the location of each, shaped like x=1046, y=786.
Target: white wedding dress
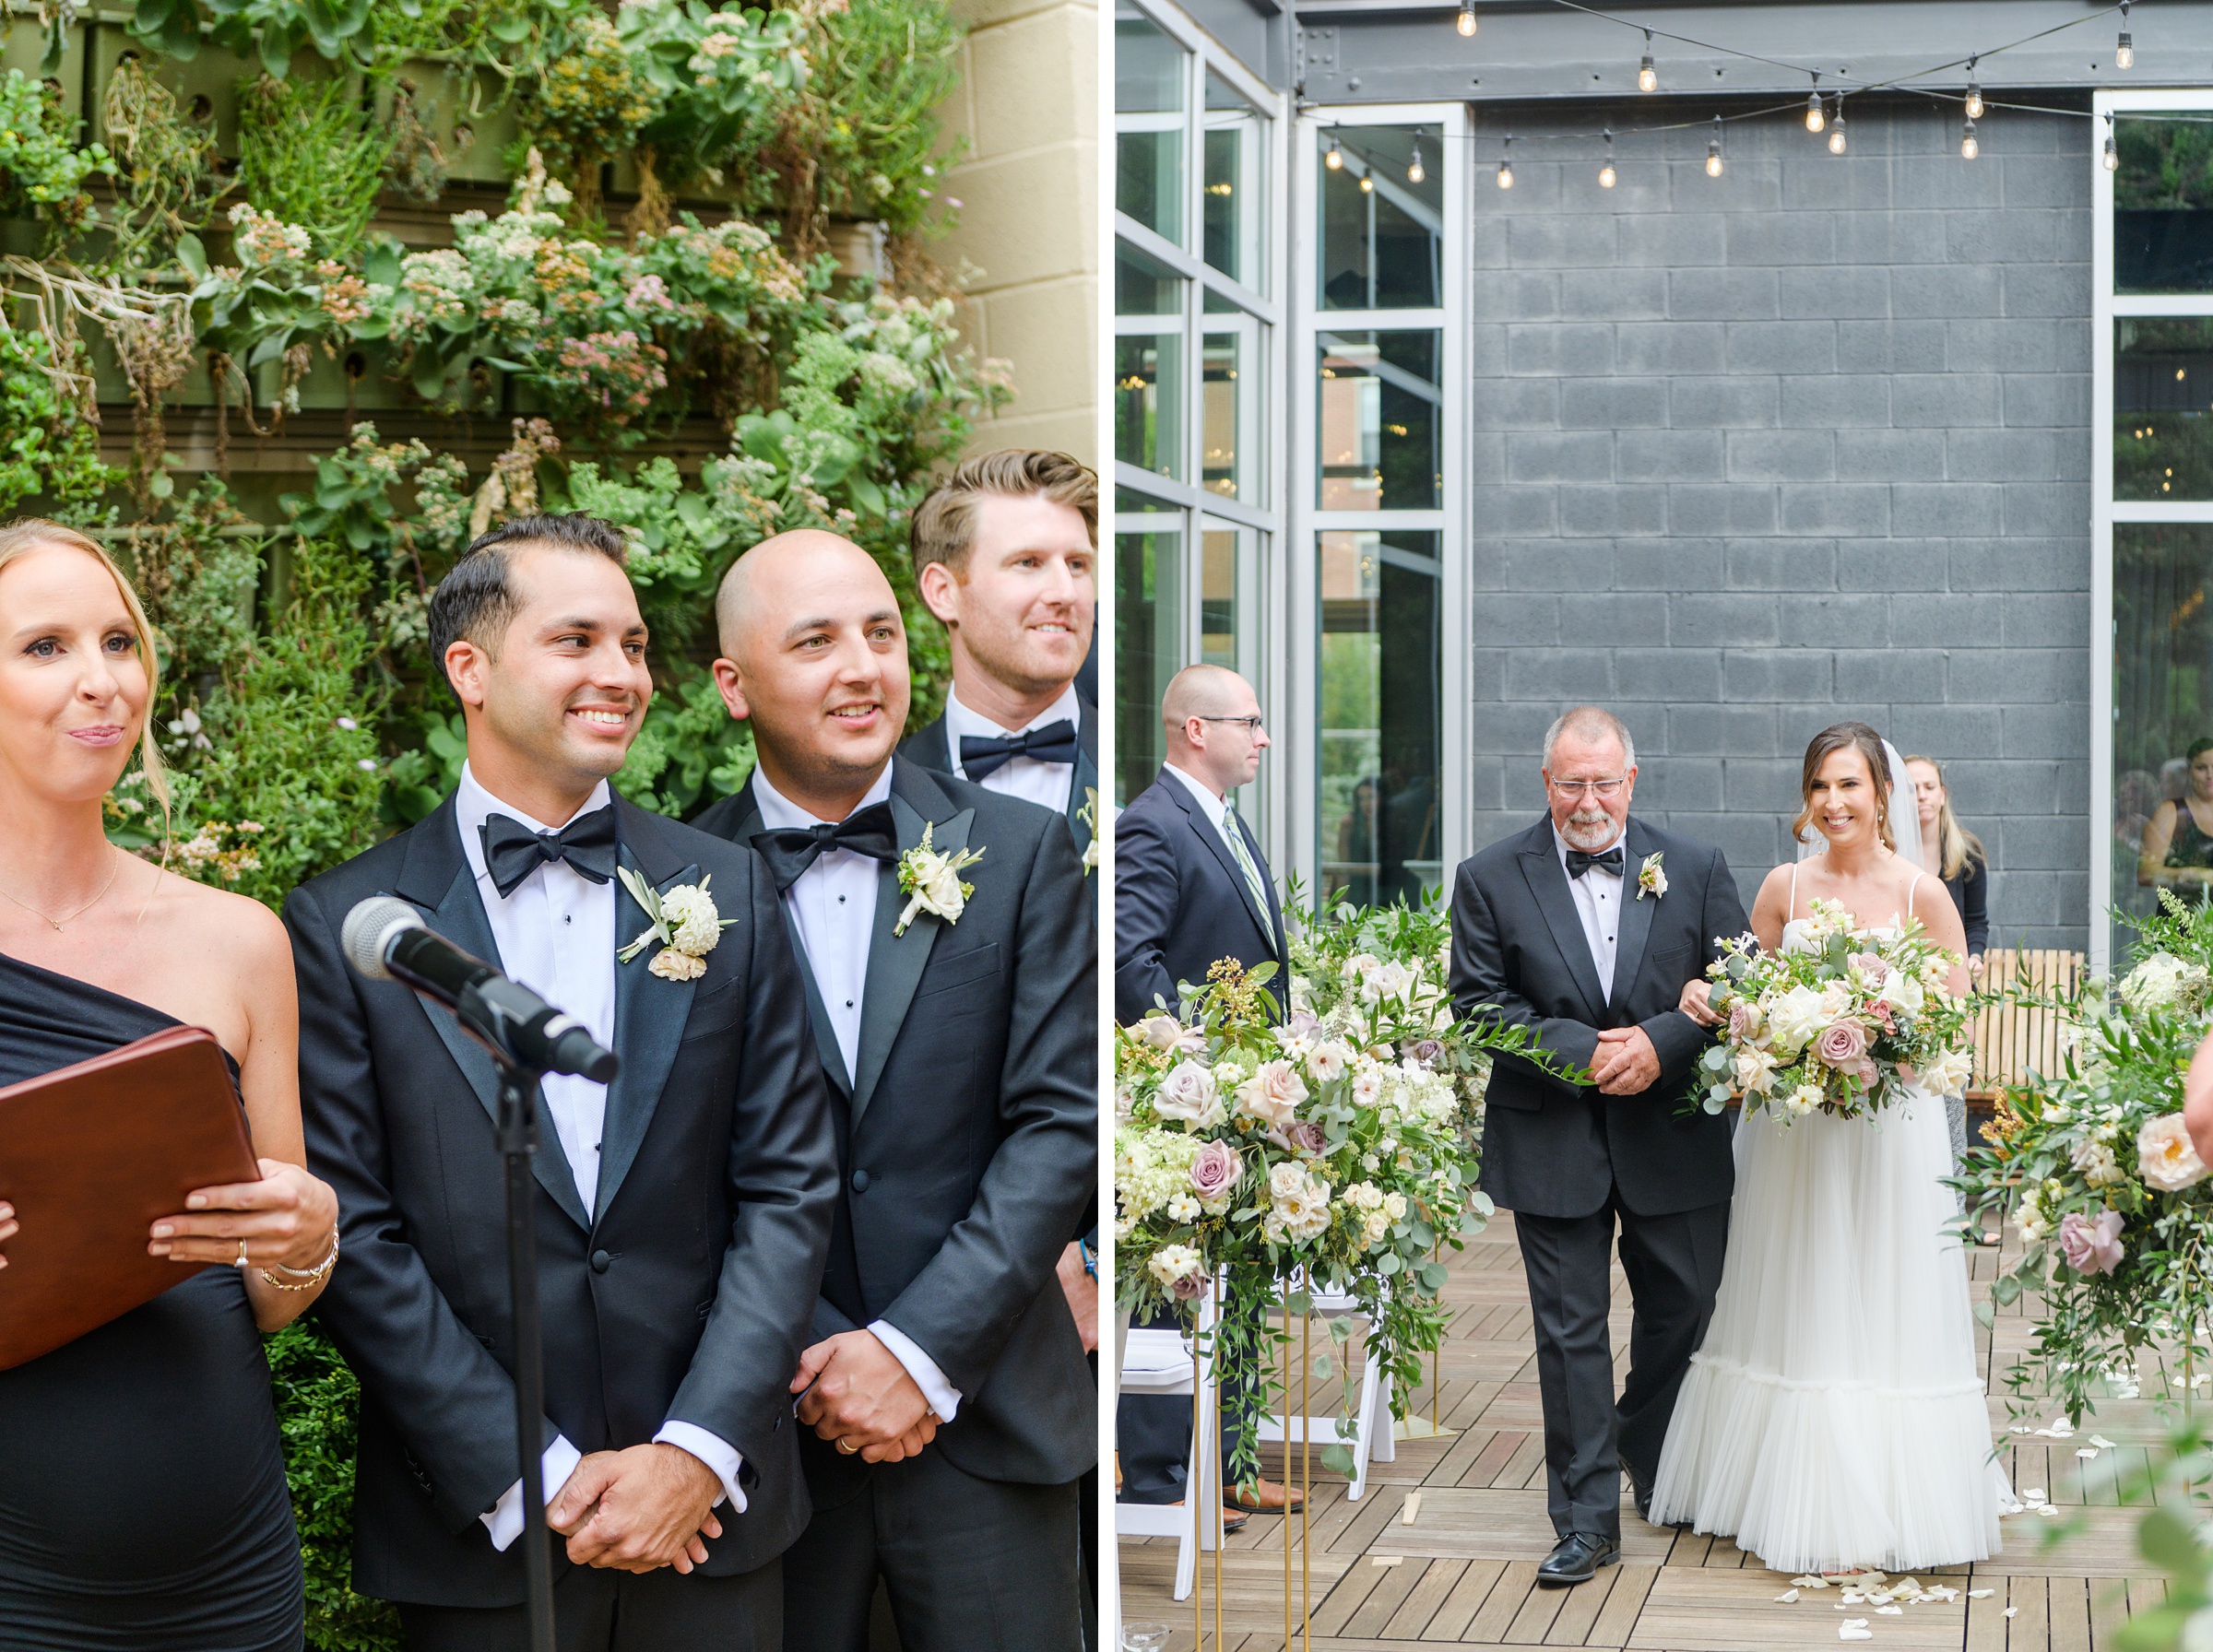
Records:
x=1834, y=1416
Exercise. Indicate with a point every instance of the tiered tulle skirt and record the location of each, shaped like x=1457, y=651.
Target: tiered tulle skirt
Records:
x=1834, y=1416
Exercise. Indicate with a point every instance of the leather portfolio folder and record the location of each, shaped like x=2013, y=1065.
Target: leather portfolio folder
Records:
x=90, y=1155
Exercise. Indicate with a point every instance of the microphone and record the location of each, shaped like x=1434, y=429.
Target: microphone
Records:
x=385, y=940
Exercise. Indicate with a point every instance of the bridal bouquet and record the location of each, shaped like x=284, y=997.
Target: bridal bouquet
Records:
x=2114, y=1206
x=1841, y=1023
x=1330, y=1149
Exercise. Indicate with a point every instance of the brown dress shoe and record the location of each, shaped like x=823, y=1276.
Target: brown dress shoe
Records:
x=1232, y=1520
x=1268, y=1497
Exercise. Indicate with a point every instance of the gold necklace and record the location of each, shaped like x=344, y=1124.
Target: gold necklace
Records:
x=70, y=918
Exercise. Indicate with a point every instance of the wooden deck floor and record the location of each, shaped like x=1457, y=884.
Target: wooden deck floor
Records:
x=1464, y=1570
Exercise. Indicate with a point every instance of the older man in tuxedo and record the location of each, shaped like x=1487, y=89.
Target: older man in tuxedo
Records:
x=1584, y=930
x=950, y=1409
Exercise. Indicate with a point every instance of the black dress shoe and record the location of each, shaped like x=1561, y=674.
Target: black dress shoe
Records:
x=1641, y=1490
x=1576, y=1559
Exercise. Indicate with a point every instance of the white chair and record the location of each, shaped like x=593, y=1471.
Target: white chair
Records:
x=1371, y=1438
x=1159, y=1363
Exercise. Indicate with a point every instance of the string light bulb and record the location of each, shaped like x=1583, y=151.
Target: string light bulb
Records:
x=1713, y=150
x=1975, y=93
x=2112, y=155
x=1465, y=23
x=1367, y=184
x=1968, y=147
x=1415, y=173
x=1505, y=166
x=1814, y=118
x=2124, y=50
x=1836, y=128
x=1334, y=159
x=1647, y=77
x=1605, y=172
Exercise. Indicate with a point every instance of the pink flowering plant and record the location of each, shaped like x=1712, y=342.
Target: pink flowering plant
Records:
x=1840, y=1025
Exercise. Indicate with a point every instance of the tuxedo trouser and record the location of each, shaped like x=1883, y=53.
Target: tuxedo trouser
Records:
x=970, y=1564
x=1153, y=1435
x=600, y=1610
x=1673, y=1265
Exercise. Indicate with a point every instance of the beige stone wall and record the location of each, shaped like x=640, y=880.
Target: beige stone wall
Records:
x=1027, y=106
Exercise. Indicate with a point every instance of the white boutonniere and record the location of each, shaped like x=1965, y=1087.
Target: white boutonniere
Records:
x=931, y=882
x=1651, y=879
x=684, y=922
x=1089, y=815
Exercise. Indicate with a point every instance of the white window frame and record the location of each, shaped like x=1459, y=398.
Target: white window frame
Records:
x=2105, y=511
x=1302, y=634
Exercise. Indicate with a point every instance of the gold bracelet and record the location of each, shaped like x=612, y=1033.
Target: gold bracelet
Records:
x=308, y=1280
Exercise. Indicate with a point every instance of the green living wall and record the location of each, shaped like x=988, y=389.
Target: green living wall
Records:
x=303, y=293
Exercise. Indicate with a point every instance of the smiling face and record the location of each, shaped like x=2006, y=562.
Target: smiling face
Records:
x=1588, y=788
x=553, y=705
x=816, y=659
x=1021, y=608
x=73, y=684
x=2201, y=776
x=1843, y=799
x=1928, y=795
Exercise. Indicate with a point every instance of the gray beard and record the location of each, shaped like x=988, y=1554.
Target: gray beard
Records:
x=1589, y=836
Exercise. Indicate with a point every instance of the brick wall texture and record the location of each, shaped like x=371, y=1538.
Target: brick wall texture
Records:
x=1807, y=442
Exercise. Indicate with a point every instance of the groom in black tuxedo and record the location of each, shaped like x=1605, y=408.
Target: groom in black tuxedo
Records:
x=950, y=1409
x=1584, y=930
x=684, y=1210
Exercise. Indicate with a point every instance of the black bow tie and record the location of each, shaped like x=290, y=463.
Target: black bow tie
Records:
x=512, y=851
x=1055, y=743
x=1606, y=860
x=791, y=850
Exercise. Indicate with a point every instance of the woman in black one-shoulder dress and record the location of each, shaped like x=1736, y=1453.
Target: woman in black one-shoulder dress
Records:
x=143, y=1505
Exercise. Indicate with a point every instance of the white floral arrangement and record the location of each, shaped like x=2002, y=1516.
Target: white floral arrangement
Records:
x=683, y=919
x=1840, y=1026
x=931, y=881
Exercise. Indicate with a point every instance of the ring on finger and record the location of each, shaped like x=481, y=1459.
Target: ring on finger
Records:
x=242, y=1252
x=846, y=1448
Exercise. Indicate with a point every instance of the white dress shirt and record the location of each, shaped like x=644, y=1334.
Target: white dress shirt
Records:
x=1598, y=904
x=1051, y=784
x=832, y=906
x=1212, y=803
x=556, y=935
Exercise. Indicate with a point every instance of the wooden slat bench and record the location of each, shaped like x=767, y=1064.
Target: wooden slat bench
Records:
x=2013, y=1041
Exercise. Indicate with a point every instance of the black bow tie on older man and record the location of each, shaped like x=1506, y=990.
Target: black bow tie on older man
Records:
x=1053, y=743
x=512, y=851
x=1606, y=860
x=789, y=850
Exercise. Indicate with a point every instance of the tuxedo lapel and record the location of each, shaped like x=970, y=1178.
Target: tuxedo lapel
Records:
x=1548, y=882
x=1212, y=837
x=1086, y=777
x=897, y=962
x=437, y=876
x=1637, y=911
x=649, y=1011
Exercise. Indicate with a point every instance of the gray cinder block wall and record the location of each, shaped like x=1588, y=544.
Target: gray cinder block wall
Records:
x=1806, y=442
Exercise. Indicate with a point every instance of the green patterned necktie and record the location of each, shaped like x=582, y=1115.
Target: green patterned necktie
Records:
x=1233, y=831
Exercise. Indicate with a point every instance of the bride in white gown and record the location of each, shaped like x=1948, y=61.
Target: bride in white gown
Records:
x=1834, y=1417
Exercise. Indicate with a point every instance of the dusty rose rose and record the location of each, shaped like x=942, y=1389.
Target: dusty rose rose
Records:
x=1189, y=1286
x=2092, y=1245
x=1301, y=1135
x=2165, y=1157
x=1188, y=1093
x=1215, y=1170
x=1843, y=1044
x=1744, y=1022
x=1428, y=1050
x=1271, y=1094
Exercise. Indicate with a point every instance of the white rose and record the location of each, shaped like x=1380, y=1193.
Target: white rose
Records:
x=1273, y=1094
x=1754, y=1071
x=1902, y=992
x=1951, y=1073
x=941, y=889
x=1189, y=1092
x=2165, y=1157
x=1285, y=1178
x=2098, y=1163
x=1162, y=1031
x=1794, y=1017
x=1395, y=1204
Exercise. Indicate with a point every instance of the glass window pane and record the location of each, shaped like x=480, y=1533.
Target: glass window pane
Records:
x=1235, y=185
x=2162, y=400
x=2162, y=230
x=1225, y=576
x=1378, y=760
x=1380, y=410
x=1148, y=640
x=1149, y=71
x=1148, y=400
x=2162, y=708
x=1382, y=233
x=1143, y=286
x=1230, y=408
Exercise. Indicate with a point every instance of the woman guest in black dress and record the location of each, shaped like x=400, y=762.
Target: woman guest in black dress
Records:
x=142, y=1491
x=2177, y=845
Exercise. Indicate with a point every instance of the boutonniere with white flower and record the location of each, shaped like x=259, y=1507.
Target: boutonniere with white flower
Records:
x=1651, y=879
x=684, y=921
x=1089, y=815
x=931, y=882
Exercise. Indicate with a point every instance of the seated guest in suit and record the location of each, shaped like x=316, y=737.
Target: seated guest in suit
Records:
x=142, y=1491
x=684, y=1209
x=1190, y=887
x=951, y=1412
x=1006, y=554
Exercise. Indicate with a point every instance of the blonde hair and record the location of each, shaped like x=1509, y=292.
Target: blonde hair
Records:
x=1847, y=737
x=945, y=523
x=27, y=534
x=1955, y=846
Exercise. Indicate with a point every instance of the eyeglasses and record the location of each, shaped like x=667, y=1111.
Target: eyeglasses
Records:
x=1252, y=725
x=1588, y=788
